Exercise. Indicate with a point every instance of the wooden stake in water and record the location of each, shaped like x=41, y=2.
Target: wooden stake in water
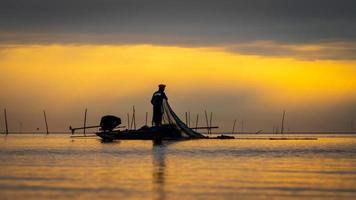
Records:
x=128, y=121
x=206, y=119
x=186, y=119
x=196, y=122
x=45, y=118
x=6, y=126
x=133, y=121
x=85, y=120
x=233, y=127
x=282, y=126
x=132, y=118
x=210, y=121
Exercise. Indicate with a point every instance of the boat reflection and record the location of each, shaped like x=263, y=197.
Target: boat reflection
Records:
x=158, y=170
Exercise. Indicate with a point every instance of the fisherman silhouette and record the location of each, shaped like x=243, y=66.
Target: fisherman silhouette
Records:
x=157, y=100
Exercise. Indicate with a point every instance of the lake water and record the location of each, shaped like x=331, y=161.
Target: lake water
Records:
x=58, y=167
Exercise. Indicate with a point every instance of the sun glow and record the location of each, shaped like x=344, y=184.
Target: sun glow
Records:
x=89, y=71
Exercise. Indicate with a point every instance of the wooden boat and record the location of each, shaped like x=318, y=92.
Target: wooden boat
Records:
x=164, y=132
x=172, y=129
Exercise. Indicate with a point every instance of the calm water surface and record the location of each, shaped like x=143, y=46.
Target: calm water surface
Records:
x=57, y=167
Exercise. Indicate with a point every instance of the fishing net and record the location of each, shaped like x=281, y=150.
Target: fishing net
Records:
x=169, y=117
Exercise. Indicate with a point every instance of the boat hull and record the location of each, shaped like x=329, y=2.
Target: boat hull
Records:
x=165, y=132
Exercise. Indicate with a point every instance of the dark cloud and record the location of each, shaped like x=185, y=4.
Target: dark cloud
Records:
x=325, y=51
x=183, y=22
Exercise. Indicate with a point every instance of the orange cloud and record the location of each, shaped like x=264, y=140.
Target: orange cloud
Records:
x=92, y=71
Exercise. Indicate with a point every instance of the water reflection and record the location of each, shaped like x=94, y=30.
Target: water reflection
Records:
x=53, y=167
x=159, y=167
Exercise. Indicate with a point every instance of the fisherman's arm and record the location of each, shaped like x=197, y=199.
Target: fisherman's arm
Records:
x=165, y=96
x=153, y=99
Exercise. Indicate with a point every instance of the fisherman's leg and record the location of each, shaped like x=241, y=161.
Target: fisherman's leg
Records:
x=159, y=119
x=156, y=119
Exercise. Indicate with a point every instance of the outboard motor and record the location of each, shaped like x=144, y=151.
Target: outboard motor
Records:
x=109, y=122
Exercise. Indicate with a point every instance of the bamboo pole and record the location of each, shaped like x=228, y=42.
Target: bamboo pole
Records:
x=133, y=121
x=233, y=127
x=1, y=127
x=211, y=121
x=85, y=120
x=45, y=119
x=134, y=113
x=282, y=124
x=204, y=127
x=6, y=125
x=186, y=118
x=196, y=122
x=88, y=127
x=206, y=119
x=128, y=121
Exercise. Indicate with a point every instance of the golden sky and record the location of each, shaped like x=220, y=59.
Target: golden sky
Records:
x=111, y=78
